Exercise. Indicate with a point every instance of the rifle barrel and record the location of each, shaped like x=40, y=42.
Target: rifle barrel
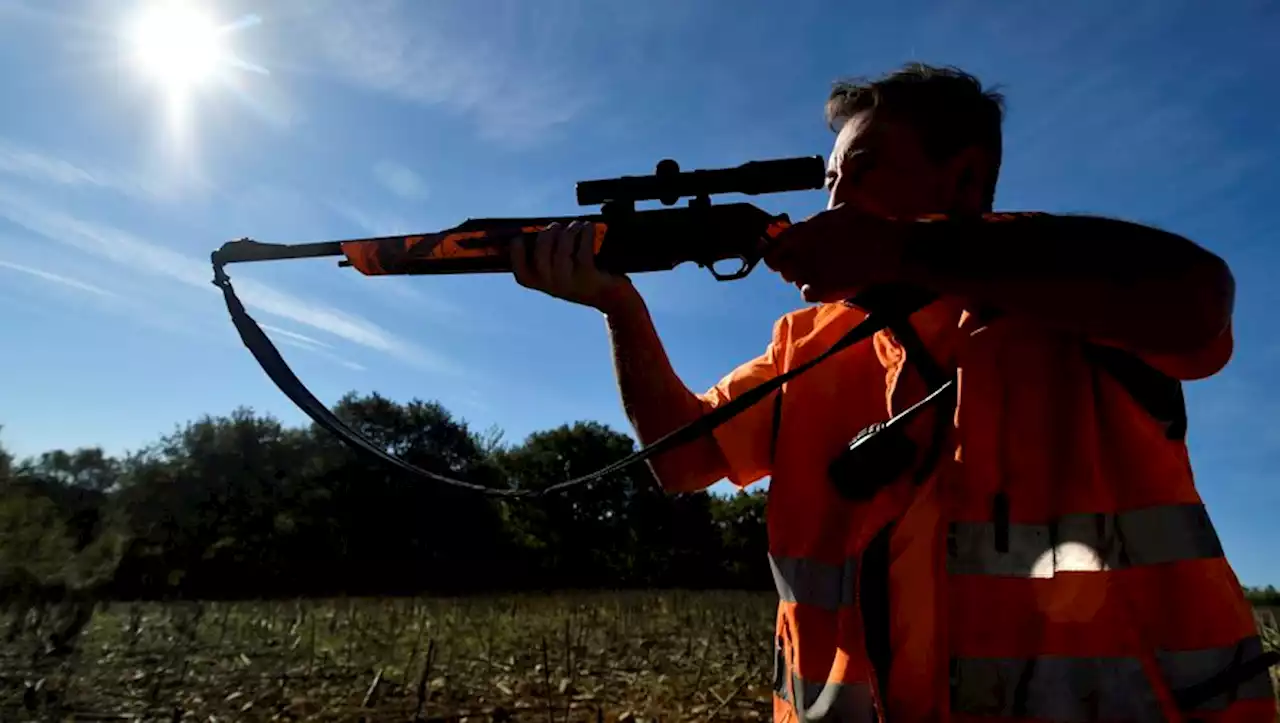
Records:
x=249, y=250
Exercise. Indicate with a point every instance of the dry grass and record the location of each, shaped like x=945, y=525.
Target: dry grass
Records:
x=1269, y=626
x=556, y=658
x=619, y=656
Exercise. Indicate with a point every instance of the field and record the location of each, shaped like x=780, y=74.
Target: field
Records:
x=553, y=658
x=611, y=656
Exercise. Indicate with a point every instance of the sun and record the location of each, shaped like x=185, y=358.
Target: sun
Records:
x=177, y=44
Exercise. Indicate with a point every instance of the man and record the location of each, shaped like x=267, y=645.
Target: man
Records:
x=1053, y=562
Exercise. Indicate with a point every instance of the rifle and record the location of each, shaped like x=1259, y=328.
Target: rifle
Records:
x=626, y=241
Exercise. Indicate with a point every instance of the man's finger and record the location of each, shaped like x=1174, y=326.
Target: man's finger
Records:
x=585, y=255
x=777, y=253
x=788, y=243
x=563, y=256
x=785, y=255
x=520, y=260
x=542, y=252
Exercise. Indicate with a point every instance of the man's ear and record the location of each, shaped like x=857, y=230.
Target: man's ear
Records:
x=970, y=172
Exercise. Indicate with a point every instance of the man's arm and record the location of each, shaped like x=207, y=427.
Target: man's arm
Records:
x=1137, y=287
x=561, y=262
x=656, y=401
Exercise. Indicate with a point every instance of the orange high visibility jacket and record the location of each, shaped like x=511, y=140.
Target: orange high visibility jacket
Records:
x=1056, y=565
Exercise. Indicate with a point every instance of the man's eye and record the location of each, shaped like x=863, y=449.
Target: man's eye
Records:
x=859, y=164
x=831, y=180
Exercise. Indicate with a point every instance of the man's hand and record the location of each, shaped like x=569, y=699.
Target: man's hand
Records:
x=835, y=254
x=561, y=262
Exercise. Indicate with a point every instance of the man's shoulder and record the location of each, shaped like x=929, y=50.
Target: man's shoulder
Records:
x=795, y=326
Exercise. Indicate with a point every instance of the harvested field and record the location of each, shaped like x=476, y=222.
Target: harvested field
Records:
x=577, y=657
x=671, y=656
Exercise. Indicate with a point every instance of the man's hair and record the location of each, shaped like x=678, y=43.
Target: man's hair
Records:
x=947, y=107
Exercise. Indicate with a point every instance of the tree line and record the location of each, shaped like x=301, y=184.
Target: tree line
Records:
x=243, y=506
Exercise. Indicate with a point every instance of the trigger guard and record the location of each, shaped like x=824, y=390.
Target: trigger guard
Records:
x=747, y=267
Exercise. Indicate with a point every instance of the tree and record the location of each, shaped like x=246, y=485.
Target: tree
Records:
x=87, y=468
x=6, y=462
x=741, y=526
x=241, y=505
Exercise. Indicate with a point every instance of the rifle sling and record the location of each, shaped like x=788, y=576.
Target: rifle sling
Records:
x=265, y=352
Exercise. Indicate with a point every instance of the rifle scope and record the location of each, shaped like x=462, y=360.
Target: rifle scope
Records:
x=669, y=184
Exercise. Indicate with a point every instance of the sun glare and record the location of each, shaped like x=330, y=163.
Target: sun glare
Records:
x=177, y=44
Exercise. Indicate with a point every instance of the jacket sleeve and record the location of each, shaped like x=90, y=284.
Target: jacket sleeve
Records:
x=1198, y=363
x=745, y=440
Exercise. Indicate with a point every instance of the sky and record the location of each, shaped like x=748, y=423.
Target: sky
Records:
x=331, y=119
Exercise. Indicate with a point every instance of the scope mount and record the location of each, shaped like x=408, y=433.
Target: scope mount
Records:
x=667, y=170
x=664, y=173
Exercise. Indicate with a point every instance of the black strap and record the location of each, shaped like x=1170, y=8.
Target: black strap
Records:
x=873, y=587
x=775, y=429
x=1194, y=696
x=934, y=376
x=278, y=370
x=875, y=606
x=917, y=354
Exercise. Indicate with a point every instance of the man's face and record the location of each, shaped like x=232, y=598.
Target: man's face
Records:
x=881, y=168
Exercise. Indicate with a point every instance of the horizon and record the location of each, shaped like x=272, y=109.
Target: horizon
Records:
x=327, y=120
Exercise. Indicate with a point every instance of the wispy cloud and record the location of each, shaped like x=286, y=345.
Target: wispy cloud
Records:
x=400, y=180
x=131, y=251
x=59, y=279
x=140, y=311
x=311, y=344
x=290, y=341
x=383, y=46
x=369, y=223
x=297, y=338
x=35, y=165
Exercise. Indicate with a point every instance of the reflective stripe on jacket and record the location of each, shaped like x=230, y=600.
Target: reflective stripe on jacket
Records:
x=1056, y=565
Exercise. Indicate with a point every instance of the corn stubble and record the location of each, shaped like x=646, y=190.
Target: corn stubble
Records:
x=624, y=656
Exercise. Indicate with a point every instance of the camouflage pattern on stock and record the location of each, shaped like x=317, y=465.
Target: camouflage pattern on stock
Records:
x=460, y=251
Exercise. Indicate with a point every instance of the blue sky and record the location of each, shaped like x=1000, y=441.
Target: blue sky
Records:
x=349, y=119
